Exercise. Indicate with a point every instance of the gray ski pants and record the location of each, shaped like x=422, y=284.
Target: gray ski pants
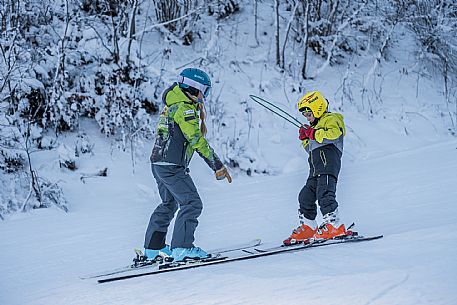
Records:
x=177, y=190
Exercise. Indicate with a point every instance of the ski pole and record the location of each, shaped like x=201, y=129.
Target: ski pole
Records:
x=288, y=117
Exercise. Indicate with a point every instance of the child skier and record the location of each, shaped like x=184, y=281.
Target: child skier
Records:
x=323, y=140
x=179, y=134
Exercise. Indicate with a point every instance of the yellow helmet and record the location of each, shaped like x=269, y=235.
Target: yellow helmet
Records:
x=313, y=101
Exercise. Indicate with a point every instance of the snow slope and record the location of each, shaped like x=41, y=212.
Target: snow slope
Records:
x=407, y=194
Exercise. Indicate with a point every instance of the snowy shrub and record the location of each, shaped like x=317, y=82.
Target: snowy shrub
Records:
x=21, y=189
x=435, y=24
x=12, y=194
x=83, y=145
x=21, y=192
x=168, y=10
x=120, y=106
x=97, y=7
x=47, y=142
x=67, y=157
x=52, y=195
x=11, y=161
x=223, y=8
x=326, y=21
x=24, y=87
x=51, y=75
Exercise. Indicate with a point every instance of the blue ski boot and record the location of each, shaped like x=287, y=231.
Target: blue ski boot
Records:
x=163, y=253
x=195, y=253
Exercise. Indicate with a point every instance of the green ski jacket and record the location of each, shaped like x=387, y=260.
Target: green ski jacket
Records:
x=178, y=132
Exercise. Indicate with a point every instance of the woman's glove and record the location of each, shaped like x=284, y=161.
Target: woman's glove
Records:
x=223, y=173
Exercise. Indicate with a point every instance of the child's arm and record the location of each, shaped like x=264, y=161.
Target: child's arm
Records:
x=332, y=130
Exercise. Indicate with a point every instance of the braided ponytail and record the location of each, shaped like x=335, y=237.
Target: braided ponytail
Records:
x=203, y=128
x=192, y=93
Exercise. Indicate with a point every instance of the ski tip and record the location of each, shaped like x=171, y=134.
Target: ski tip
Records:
x=371, y=237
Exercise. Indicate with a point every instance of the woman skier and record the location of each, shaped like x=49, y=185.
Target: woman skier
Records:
x=323, y=140
x=180, y=132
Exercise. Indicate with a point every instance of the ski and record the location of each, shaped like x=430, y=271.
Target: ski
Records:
x=246, y=245
x=139, y=263
x=174, y=265
x=169, y=267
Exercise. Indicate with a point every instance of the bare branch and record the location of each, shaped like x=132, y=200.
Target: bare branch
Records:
x=337, y=35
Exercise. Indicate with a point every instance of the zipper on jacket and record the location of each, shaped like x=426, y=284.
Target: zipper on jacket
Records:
x=184, y=155
x=312, y=163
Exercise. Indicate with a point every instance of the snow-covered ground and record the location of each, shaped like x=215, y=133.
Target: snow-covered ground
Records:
x=407, y=194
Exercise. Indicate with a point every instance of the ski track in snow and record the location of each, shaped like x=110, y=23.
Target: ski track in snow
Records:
x=384, y=292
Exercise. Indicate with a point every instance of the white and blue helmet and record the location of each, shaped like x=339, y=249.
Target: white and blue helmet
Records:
x=195, y=78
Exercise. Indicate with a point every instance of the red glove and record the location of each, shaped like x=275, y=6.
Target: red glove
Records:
x=302, y=133
x=306, y=132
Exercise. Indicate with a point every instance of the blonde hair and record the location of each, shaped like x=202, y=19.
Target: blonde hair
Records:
x=203, y=128
x=201, y=108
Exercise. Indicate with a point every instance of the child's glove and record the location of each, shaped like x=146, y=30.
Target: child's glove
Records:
x=302, y=134
x=306, y=132
x=223, y=173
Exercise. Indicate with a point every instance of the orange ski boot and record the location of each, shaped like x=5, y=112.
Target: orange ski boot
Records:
x=304, y=232
x=330, y=228
x=329, y=231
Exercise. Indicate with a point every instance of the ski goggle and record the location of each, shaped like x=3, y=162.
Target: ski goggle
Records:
x=204, y=89
x=207, y=91
x=307, y=114
x=305, y=109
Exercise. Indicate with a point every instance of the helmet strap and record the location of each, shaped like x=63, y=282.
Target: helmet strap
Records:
x=316, y=120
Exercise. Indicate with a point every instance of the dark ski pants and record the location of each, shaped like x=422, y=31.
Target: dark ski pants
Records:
x=177, y=190
x=321, y=188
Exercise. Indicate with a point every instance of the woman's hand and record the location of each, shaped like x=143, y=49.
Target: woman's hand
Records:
x=223, y=173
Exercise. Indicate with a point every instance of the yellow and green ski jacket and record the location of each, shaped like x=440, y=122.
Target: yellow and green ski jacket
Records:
x=178, y=133
x=326, y=150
